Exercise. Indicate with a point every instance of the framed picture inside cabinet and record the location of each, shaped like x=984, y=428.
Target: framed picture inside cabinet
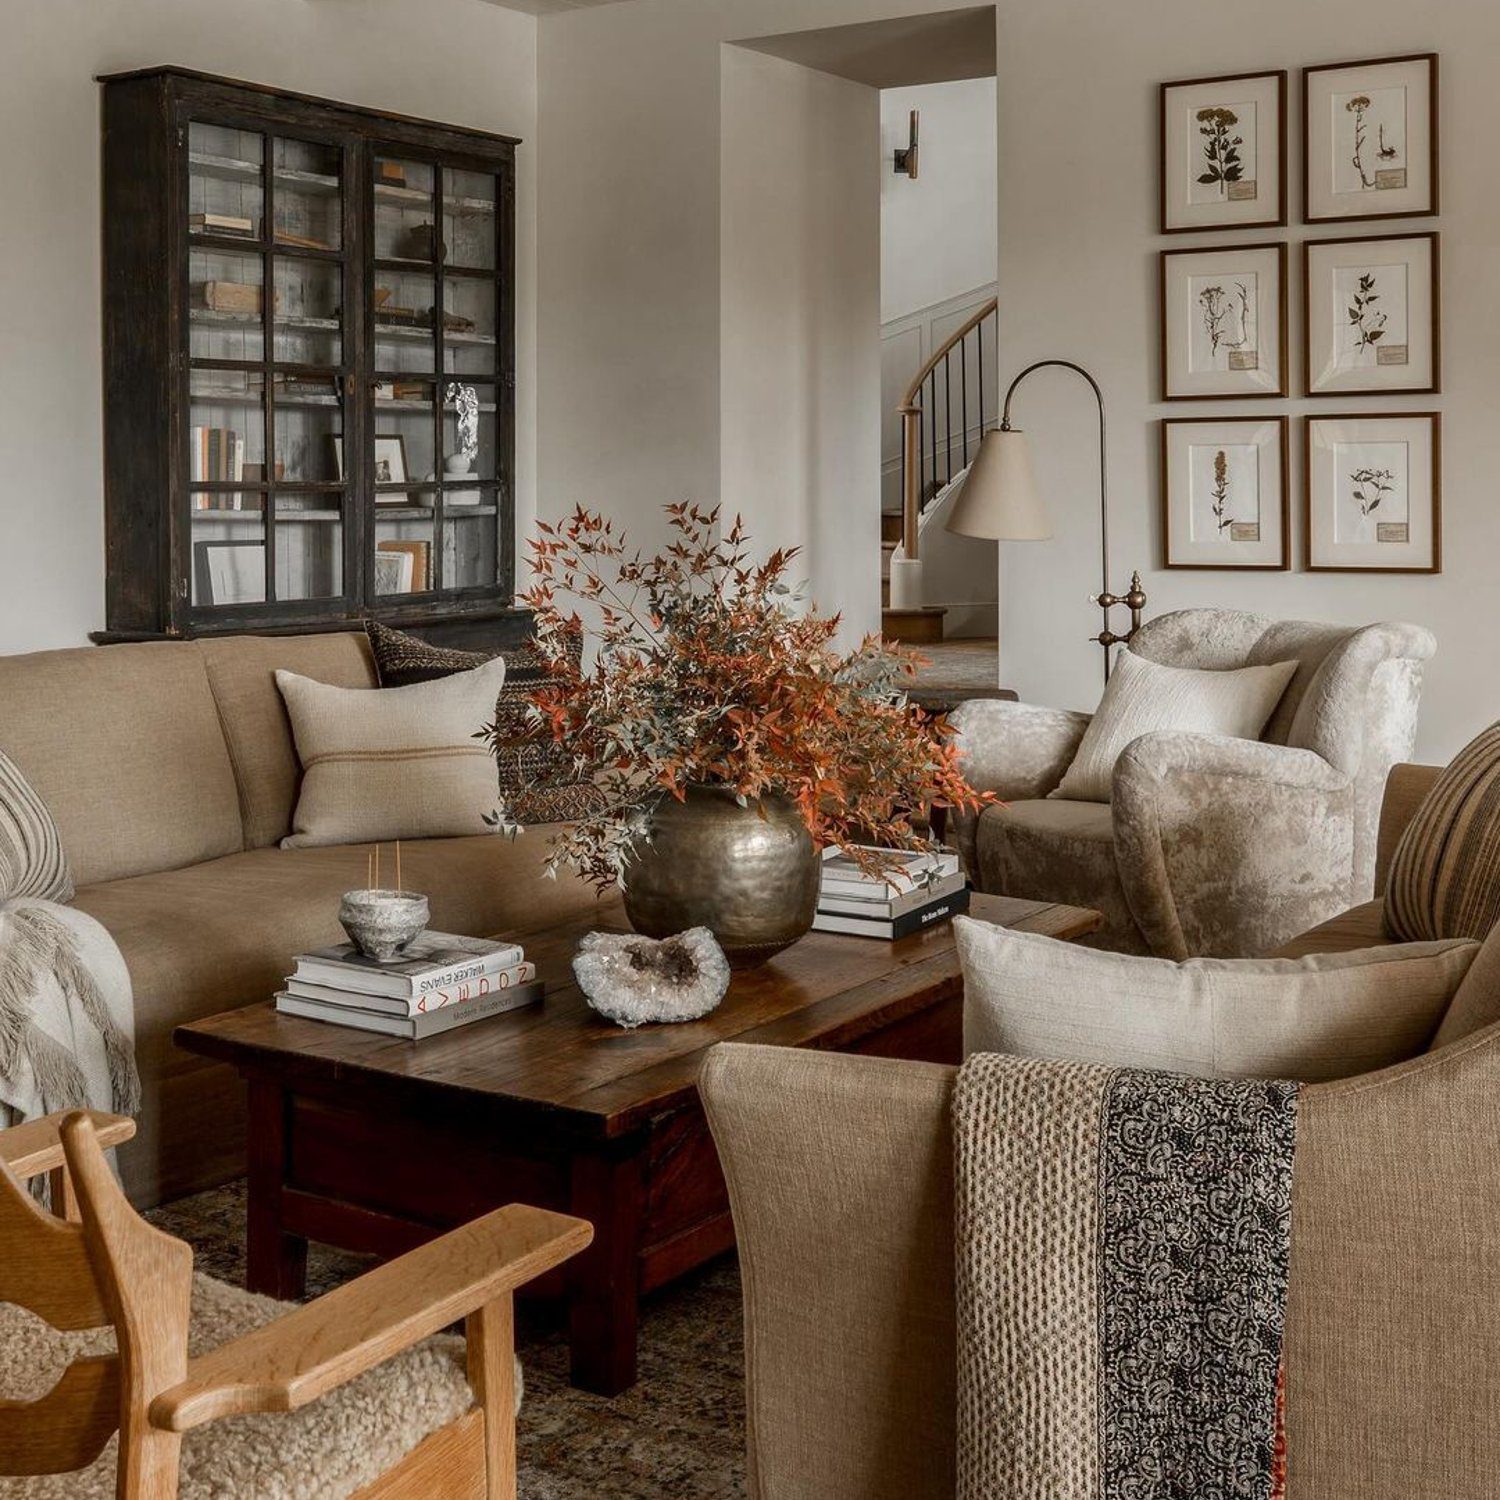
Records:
x=1372, y=310
x=1370, y=130
x=1374, y=500
x=1223, y=322
x=1223, y=153
x=1225, y=501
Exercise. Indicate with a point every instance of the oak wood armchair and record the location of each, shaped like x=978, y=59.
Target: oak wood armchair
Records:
x=96, y=1264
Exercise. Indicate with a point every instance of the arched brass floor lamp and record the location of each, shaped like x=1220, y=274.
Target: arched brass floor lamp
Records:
x=999, y=501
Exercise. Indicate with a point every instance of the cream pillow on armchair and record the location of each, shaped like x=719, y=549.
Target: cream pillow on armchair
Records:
x=389, y=763
x=1143, y=696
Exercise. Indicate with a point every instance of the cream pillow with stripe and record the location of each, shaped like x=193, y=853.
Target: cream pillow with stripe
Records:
x=1445, y=873
x=1329, y=1015
x=32, y=862
x=392, y=763
x=1144, y=696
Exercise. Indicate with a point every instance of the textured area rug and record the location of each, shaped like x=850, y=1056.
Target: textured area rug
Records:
x=678, y=1433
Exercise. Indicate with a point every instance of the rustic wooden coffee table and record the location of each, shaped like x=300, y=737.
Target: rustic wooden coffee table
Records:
x=375, y=1144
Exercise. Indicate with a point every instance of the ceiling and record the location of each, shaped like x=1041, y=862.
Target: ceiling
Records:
x=942, y=47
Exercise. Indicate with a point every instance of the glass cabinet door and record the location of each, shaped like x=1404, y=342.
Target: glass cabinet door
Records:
x=268, y=366
x=436, y=345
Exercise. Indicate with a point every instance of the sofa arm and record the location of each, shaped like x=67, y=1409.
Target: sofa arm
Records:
x=1392, y=1384
x=840, y=1173
x=1018, y=751
x=1229, y=848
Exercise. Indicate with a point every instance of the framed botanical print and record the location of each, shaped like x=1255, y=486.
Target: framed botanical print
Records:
x=1371, y=136
x=1223, y=322
x=1372, y=309
x=1373, y=493
x=1224, y=492
x=1223, y=153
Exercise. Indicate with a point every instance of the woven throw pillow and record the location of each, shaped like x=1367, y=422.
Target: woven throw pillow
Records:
x=1144, y=696
x=32, y=862
x=400, y=763
x=1329, y=1015
x=1445, y=874
x=536, y=780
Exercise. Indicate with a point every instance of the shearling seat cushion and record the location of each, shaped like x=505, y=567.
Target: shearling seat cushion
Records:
x=1445, y=875
x=326, y=1451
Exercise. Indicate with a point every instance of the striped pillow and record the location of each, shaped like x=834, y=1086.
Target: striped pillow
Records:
x=32, y=862
x=1445, y=876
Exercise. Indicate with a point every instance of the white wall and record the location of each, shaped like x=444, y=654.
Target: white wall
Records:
x=799, y=386
x=629, y=370
x=449, y=60
x=938, y=235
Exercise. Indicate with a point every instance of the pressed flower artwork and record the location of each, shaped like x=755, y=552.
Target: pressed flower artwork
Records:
x=1224, y=495
x=1371, y=134
x=1222, y=152
x=1372, y=314
x=1372, y=493
x=1223, y=317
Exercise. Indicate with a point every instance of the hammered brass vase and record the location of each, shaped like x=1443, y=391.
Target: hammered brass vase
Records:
x=748, y=874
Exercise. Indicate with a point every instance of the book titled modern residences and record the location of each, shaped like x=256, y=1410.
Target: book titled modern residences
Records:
x=432, y=961
x=416, y=1005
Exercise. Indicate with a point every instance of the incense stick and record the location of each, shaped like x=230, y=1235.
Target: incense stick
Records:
x=398, y=866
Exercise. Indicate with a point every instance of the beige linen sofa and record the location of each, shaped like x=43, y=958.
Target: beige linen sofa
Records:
x=1209, y=846
x=840, y=1176
x=172, y=775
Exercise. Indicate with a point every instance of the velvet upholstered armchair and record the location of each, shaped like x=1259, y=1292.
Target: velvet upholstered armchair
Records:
x=1209, y=846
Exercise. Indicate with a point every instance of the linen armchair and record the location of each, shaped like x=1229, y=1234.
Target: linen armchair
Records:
x=1209, y=846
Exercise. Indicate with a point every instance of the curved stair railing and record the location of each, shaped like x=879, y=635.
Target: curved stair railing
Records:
x=932, y=458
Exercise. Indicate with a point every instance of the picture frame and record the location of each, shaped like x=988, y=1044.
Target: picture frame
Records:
x=393, y=571
x=416, y=575
x=1351, y=344
x=229, y=572
x=1225, y=493
x=391, y=467
x=1224, y=322
x=1370, y=139
x=1223, y=152
x=1373, y=485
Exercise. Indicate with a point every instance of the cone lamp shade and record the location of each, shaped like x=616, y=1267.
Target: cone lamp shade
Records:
x=999, y=500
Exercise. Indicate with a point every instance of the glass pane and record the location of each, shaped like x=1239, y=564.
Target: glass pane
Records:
x=309, y=441
x=471, y=542
x=224, y=181
x=403, y=211
x=224, y=306
x=404, y=432
x=403, y=554
x=226, y=435
x=309, y=306
x=309, y=215
x=469, y=218
x=403, y=321
x=229, y=558
x=469, y=431
x=469, y=325
x=309, y=546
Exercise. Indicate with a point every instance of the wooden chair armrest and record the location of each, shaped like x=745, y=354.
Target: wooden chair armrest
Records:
x=322, y=1345
x=34, y=1147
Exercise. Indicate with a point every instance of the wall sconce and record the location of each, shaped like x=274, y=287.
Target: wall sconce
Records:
x=906, y=160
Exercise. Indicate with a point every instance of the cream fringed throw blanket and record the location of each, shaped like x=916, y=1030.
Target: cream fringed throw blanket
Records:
x=1122, y=1248
x=67, y=1028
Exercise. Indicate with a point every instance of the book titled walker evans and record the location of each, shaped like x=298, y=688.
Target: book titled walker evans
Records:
x=433, y=961
x=465, y=992
x=414, y=1028
x=891, y=929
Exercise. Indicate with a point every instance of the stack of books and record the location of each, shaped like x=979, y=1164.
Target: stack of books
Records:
x=924, y=889
x=440, y=982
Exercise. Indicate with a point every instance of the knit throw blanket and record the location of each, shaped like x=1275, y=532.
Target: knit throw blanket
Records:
x=66, y=1021
x=1122, y=1249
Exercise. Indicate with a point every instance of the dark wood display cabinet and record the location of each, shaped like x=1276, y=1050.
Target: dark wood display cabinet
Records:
x=309, y=365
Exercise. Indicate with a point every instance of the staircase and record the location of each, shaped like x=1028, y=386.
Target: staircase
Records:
x=942, y=418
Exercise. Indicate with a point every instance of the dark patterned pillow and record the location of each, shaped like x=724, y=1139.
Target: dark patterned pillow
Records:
x=536, y=784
